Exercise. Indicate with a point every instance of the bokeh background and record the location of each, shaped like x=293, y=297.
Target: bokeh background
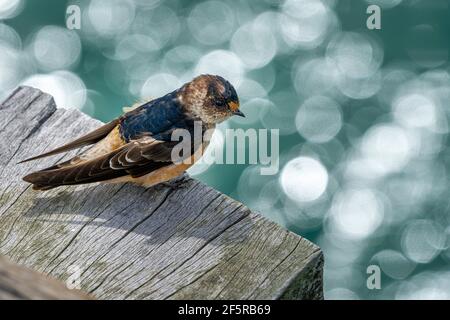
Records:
x=363, y=114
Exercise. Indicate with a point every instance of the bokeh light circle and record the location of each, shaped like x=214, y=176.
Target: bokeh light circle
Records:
x=224, y=63
x=386, y=148
x=422, y=240
x=254, y=43
x=158, y=85
x=415, y=110
x=304, y=179
x=356, y=213
x=110, y=18
x=10, y=8
x=12, y=67
x=211, y=22
x=355, y=54
x=394, y=264
x=319, y=119
x=9, y=37
x=67, y=88
x=304, y=23
x=56, y=48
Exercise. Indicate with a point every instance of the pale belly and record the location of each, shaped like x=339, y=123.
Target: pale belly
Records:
x=155, y=177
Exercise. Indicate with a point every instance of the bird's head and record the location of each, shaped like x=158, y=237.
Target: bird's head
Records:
x=210, y=98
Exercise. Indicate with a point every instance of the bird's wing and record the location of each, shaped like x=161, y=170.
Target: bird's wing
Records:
x=136, y=159
x=90, y=138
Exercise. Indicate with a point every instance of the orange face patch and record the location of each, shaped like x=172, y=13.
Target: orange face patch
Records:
x=233, y=106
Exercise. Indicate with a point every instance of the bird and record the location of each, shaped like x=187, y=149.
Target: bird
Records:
x=137, y=146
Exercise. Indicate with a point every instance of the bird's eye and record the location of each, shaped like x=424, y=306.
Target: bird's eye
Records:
x=219, y=102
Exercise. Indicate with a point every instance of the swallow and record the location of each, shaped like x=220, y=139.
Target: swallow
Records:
x=137, y=146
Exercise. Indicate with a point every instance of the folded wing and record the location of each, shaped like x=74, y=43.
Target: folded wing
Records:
x=136, y=159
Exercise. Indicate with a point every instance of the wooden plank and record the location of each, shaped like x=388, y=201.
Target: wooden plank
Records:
x=133, y=243
x=19, y=283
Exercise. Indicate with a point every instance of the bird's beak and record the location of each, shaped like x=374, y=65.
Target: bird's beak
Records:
x=238, y=113
x=234, y=107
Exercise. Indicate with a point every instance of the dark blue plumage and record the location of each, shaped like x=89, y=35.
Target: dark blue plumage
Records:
x=156, y=118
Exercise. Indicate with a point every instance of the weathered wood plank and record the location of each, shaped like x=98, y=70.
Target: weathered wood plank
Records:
x=136, y=243
x=18, y=283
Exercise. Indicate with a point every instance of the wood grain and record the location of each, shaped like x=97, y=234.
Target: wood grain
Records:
x=189, y=242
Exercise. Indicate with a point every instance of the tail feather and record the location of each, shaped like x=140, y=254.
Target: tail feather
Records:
x=85, y=140
x=80, y=172
x=51, y=178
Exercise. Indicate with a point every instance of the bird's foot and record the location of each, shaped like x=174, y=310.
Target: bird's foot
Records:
x=176, y=183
